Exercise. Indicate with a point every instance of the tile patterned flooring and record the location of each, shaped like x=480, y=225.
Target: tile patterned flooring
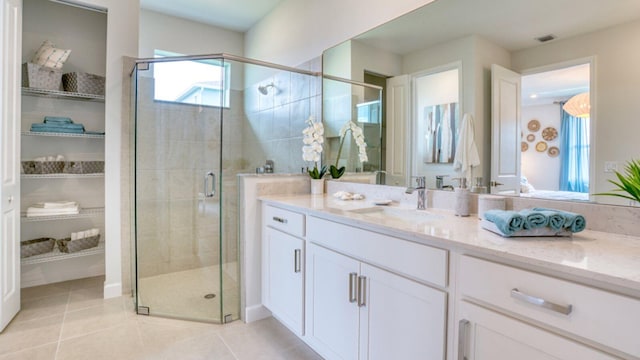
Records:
x=71, y=320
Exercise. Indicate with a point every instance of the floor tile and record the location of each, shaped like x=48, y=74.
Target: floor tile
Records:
x=119, y=342
x=20, y=335
x=42, y=307
x=81, y=322
x=44, y=352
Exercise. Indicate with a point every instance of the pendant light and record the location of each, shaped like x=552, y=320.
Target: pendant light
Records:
x=578, y=106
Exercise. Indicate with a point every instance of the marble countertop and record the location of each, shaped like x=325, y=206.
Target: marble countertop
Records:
x=609, y=260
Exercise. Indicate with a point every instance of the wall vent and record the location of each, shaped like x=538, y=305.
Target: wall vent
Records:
x=546, y=38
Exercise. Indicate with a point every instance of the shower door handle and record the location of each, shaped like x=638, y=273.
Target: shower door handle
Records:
x=211, y=193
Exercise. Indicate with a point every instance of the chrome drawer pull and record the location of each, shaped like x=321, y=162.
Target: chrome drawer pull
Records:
x=463, y=326
x=353, y=296
x=362, y=291
x=296, y=261
x=565, y=310
x=280, y=220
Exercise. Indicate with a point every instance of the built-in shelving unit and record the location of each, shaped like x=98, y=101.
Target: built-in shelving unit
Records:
x=61, y=176
x=83, y=214
x=71, y=135
x=61, y=94
x=56, y=255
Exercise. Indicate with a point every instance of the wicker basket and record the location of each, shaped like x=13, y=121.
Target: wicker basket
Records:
x=36, y=246
x=83, y=83
x=67, y=245
x=84, y=167
x=40, y=77
x=43, y=167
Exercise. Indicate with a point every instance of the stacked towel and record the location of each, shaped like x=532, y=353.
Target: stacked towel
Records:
x=507, y=221
x=84, y=234
x=556, y=220
x=59, y=125
x=533, y=219
x=53, y=208
x=572, y=221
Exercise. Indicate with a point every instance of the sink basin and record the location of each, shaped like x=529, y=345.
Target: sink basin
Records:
x=398, y=214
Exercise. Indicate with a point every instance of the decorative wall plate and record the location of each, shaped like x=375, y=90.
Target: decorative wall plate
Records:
x=533, y=125
x=541, y=146
x=553, y=151
x=531, y=137
x=524, y=146
x=549, y=133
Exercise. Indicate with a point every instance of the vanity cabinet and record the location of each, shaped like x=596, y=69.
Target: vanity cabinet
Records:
x=544, y=313
x=356, y=310
x=283, y=267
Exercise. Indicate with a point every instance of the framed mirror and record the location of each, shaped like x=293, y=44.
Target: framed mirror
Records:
x=529, y=38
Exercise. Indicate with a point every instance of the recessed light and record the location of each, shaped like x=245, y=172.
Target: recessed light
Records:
x=533, y=96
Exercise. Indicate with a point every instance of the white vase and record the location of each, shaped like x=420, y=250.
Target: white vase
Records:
x=317, y=186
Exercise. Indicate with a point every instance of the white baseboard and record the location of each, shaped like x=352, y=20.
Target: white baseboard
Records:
x=255, y=313
x=112, y=290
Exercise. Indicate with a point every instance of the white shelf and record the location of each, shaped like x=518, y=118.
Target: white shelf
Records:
x=56, y=255
x=60, y=176
x=61, y=94
x=84, y=213
x=85, y=136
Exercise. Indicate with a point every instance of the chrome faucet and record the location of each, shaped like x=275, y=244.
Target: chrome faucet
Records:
x=420, y=186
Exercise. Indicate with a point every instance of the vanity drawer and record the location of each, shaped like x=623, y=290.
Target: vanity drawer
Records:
x=598, y=315
x=421, y=262
x=288, y=221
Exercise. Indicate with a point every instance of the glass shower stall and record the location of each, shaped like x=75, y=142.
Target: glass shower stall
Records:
x=198, y=123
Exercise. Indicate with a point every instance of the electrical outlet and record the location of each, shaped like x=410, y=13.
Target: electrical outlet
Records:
x=610, y=166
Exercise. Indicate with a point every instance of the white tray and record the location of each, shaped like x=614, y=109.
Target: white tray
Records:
x=544, y=231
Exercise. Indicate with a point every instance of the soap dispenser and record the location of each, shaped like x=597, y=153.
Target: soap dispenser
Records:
x=461, y=207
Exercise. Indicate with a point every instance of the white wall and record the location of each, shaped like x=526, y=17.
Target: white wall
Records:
x=541, y=170
x=616, y=107
x=169, y=33
x=299, y=30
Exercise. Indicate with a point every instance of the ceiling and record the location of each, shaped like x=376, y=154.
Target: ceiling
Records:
x=237, y=15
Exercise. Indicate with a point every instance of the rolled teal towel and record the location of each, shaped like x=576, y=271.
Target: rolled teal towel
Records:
x=533, y=219
x=572, y=221
x=506, y=221
x=556, y=220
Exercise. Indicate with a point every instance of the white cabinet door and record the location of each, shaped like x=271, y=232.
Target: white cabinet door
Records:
x=487, y=335
x=401, y=319
x=284, y=278
x=331, y=308
x=11, y=45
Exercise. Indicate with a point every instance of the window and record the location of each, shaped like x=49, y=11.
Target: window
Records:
x=198, y=82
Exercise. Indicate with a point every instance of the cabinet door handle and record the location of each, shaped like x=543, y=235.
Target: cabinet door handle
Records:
x=463, y=326
x=565, y=310
x=362, y=291
x=353, y=296
x=280, y=220
x=208, y=193
x=296, y=260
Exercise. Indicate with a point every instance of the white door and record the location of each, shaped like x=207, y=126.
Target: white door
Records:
x=487, y=335
x=505, y=130
x=398, y=110
x=331, y=309
x=401, y=319
x=284, y=274
x=11, y=44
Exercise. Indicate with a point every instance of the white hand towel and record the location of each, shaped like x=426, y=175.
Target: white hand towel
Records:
x=467, y=152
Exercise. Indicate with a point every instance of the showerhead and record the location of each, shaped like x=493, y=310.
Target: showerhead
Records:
x=264, y=89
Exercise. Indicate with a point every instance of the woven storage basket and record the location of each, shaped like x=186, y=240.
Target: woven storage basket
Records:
x=43, y=167
x=67, y=245
x=83, y=83
x=84, y=167
x=40, y=77
x=36, y=247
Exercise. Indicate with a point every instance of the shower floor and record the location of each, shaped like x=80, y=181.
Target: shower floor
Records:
x=182, y=294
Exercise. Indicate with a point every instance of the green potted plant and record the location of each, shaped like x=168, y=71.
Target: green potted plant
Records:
x=628, y=184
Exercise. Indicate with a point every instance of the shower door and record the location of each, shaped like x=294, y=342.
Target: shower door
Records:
x=177, y=191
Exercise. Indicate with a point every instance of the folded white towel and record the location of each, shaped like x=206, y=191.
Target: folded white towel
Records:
x=55, y=205
x=51, y=212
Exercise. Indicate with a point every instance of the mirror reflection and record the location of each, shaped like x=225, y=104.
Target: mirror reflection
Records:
x=546, y=39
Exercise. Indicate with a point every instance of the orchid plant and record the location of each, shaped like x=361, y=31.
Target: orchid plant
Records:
x=313, y=138
x=358, y=136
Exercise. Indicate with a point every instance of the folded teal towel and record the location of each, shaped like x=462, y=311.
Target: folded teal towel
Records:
x=533, y=219
x=556, y=220
x=507, y=221
x=572, y=221
x=57, y=120
x=58, y=128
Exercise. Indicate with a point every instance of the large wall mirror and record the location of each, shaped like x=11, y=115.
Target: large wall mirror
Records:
x=585, y=52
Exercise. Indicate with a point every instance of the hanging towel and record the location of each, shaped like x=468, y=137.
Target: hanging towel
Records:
x=533, y=219
x=573, y=222
x=507, y=221
x=466, y=156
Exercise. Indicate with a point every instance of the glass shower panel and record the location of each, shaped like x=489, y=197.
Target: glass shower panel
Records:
x=177, y=189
